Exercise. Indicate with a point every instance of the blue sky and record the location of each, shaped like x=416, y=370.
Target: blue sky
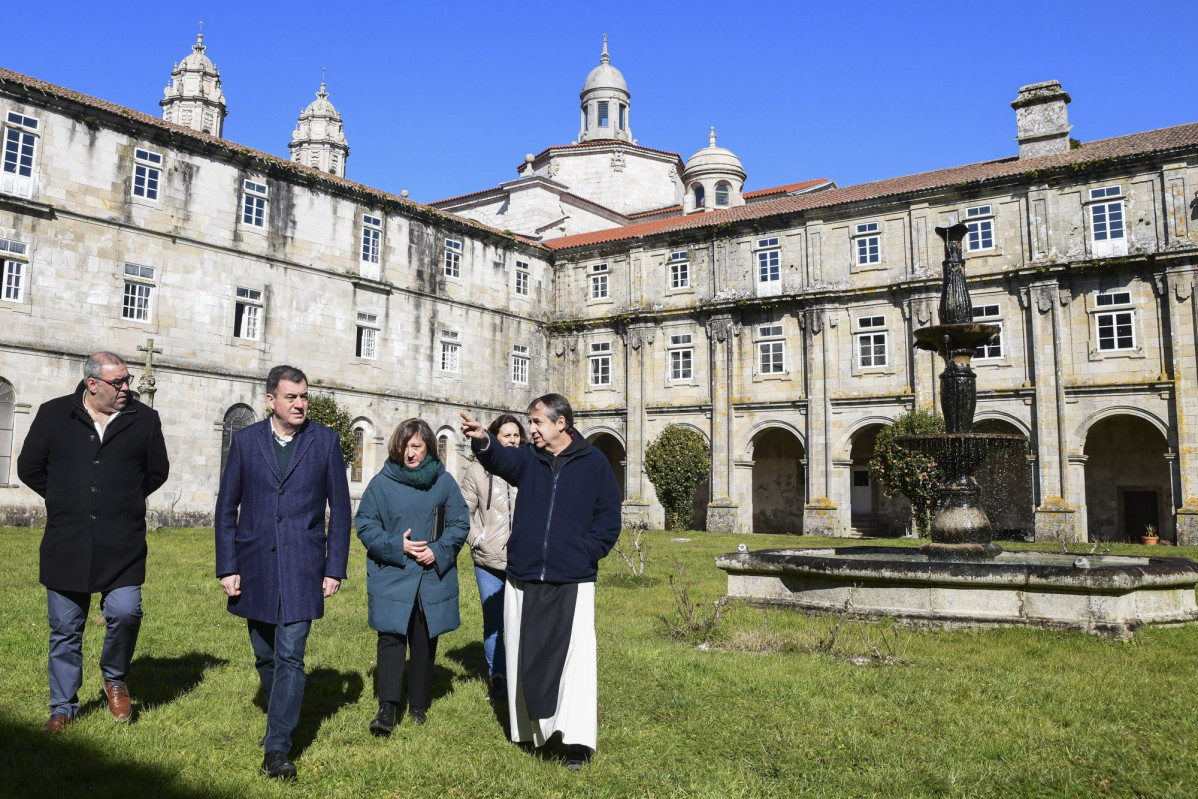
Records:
x=443, y=99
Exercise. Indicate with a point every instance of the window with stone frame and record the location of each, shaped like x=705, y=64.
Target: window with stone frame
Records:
x=20, y=153
x=680, y=270
x=599, y=358
x=368, y=336
x=372, y=244
x=137, y=293
x=723, y=195
x=451, y=348
x=603, y=113
x=147, y=173
x=253, y=204
x=623, y=116
x=867, y=243
x=771, y=350
x=1108, y=235
x=247, y=315
x=1115, y=321
x=682, y=357
x=453, y=258
x=599, y=281
x=871, y=341
x=236, y=418
x=768, y=255
x=520, y=364
x=521, y=286
x=14, y=270
x=980, y=221
x=991, y=315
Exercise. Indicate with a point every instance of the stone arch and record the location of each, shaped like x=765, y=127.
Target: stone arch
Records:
x=723, y=194
x=447, y=448
x=779, y=479
x=698, y=196
x=1128, y=484
x=608, y=441
x=1012, y=422
x=1006, y=479
x=361, y=464
x=871, y=512
x=846, y=443
x=604, y=430
x=238, y=416
x=8, y=418
x=1081, y=432
x=751, y=435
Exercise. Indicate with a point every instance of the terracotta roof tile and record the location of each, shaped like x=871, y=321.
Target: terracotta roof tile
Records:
x=1154, y=141
x=787, y=189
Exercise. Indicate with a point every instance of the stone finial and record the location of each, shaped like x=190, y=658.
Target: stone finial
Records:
x=604, y=58
x=711, y=137
x=1041, y=119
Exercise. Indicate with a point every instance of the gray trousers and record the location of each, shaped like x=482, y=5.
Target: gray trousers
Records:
x=67, y=612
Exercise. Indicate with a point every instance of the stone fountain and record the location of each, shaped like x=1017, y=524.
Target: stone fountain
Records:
x=961, y=577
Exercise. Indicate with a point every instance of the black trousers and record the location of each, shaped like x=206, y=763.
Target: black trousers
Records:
x=391, y=653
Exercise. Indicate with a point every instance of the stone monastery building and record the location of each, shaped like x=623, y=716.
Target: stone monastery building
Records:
x=777, y=322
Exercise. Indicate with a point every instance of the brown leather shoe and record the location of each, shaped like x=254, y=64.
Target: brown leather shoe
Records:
x=118, y=700
x=57, y=722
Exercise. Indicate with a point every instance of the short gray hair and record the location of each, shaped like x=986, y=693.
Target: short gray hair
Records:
x=556, y=406
x=93, y=367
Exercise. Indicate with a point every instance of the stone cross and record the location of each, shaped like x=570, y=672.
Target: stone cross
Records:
x=145, y=386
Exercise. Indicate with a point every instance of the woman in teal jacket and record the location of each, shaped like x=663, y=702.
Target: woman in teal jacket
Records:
x=413, y=521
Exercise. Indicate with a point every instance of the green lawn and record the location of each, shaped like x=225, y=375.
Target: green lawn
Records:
x=773, y=706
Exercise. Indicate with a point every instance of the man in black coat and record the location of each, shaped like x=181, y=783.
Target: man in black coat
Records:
x=94, y=455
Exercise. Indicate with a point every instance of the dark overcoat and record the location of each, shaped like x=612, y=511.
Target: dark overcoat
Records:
x=270, y=527
x=390, y=506
x=95, y=491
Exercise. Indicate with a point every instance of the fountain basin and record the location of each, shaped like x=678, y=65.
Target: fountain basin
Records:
x=1101, y=594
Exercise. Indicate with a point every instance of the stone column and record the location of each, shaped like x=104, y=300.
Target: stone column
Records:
x=722, y=511
x=1077, y=493
x=819, y=512
x=635, y=512
x=1056, y=519
x=1183, y=324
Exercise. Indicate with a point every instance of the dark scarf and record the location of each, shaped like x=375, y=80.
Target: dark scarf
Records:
x=424, y=475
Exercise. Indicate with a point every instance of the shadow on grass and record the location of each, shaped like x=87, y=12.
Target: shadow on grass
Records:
x=38, y=765
x=473, y=660
x=157, y=681
x=325, y=693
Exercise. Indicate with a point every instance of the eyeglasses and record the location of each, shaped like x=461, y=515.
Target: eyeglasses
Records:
x=119, y=382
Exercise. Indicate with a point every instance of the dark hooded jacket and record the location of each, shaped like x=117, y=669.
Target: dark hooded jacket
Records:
x=95, y=491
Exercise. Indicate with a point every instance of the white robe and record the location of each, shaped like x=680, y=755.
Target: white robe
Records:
x=577, y=715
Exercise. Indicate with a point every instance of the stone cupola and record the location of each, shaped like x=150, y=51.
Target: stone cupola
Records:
x=605, y=107
x=1041, y=119
x=713, y=179
x=194, y=98
x=319, y=137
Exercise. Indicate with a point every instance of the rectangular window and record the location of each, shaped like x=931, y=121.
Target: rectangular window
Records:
x=368, y=336
x=520, y=364
x=147, y=170
x=867, y=244
x=623, y=115
x=600, y=363
x=680, y=270
x=372, y=238
x=769, y=266
x=771, y=350
x=138, y=292
x=453, y=259
x=682, y=356
x=1116, y=329
x=991, y=315
x=450, y=351
x=20, y=147
x=871, y=346
x=253, y=209
x=247, y=318
x=980, y=220
x=521, y=286
x=602, y=113
x=1106, y=222
x=599, y=282
x=13, y=271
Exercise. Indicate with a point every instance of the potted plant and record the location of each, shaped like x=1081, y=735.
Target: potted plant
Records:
x=1150, y=537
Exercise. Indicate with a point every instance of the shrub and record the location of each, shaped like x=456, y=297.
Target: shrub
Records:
x=906, y=472
x=324, y=409
x=677, y=463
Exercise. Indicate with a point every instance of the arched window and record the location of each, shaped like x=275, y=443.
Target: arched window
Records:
x=700, y=196
x=722, y=194
x=355, y=461
x=443, y=447
x=237, y=417
x=8, y=410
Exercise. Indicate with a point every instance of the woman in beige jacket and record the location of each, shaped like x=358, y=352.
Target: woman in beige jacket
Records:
x=492, y=502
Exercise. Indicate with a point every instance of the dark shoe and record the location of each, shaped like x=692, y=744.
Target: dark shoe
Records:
x=498, y=694
x=416, y=714
x=577, y=756
x=382, y=724
x=276, y=766
x=118, y=700
x=57, y=722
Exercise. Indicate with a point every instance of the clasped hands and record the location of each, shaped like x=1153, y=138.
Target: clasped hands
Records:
x=417, y=550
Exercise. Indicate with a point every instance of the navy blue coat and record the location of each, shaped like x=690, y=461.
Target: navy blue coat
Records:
x=564, y=523
x=270, y=528
x=390, y=506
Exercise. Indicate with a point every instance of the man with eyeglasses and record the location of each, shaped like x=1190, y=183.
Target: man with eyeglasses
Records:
x=94, y=456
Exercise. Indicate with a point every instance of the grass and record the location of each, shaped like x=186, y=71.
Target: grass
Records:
x=768, y=703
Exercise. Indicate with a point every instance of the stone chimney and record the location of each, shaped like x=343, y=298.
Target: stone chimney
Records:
x=1041, y=119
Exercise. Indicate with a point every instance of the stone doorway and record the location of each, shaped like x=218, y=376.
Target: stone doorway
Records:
x=1127, y=479
x=779, y=482
x=616, y=455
